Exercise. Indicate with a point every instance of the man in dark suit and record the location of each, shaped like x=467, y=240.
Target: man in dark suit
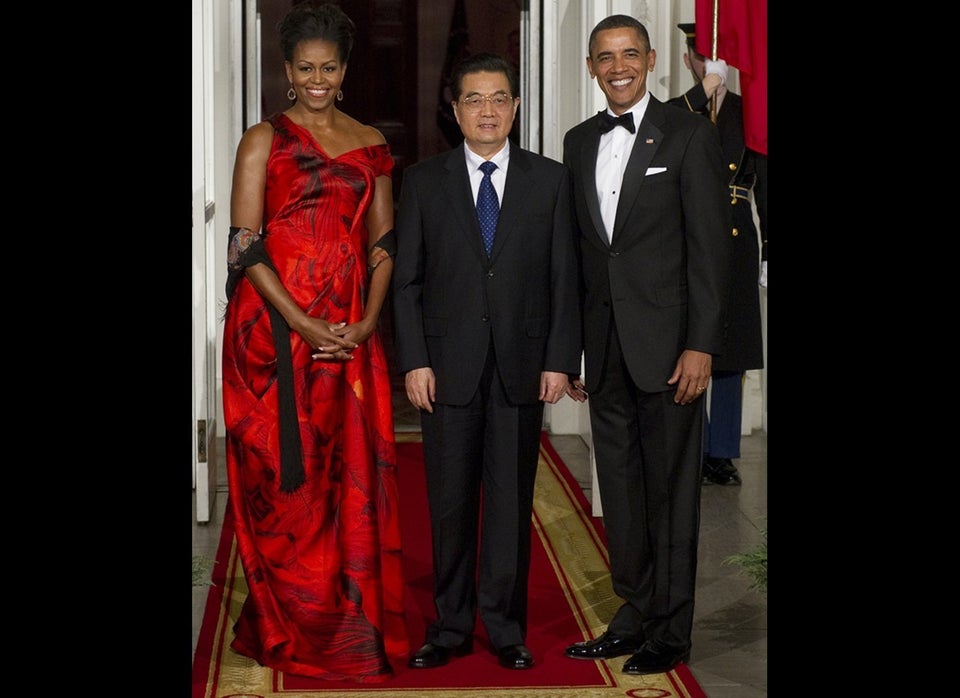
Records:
x=746, y=174
x=484, y=339
x=649, y=201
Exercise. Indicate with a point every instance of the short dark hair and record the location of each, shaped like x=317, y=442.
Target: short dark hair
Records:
x=619, y=22
x=315, y=20
x=483, y=63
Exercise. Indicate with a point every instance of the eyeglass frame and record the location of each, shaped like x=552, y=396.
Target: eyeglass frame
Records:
x=511, y=101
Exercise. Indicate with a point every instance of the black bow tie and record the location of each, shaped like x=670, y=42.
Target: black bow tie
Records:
x=607, y=122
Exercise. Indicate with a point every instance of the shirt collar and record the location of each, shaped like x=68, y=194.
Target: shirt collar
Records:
x=501, y=159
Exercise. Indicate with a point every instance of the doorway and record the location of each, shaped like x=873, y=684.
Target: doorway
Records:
x=402, y=54
x=395, y=80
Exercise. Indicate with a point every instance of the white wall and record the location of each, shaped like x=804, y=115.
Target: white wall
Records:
x=221, y=115
x=214, y=104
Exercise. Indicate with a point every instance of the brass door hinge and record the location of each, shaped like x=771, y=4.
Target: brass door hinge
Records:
x=201, y=440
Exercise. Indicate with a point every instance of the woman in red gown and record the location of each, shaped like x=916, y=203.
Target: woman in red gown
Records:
x=311, y=456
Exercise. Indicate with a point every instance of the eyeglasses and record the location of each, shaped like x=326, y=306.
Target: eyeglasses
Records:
x=474, y=103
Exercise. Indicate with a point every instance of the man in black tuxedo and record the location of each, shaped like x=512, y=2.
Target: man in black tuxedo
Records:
x=649, y=201
x=484, y=339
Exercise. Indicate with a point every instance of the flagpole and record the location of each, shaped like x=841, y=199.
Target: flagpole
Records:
x=714, y=34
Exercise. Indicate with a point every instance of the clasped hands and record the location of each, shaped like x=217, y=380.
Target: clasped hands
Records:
x=335, y=341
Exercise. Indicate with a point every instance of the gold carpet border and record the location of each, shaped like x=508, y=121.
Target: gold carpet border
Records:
x=578, y=558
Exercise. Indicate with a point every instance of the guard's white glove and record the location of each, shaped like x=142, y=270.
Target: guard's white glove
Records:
x=717, y=68
x=763, y=274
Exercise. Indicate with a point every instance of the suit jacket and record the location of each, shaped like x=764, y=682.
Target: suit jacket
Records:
x=662, y=279
x=449, y=299
x=745, y=174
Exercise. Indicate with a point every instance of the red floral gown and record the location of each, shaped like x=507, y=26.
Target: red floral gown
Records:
x=322, y=563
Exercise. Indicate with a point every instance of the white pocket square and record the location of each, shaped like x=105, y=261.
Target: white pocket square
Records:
x=655, y=170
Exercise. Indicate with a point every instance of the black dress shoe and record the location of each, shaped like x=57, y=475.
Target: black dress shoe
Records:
x=431, y=655
x=515, y=657
x=654, y=659
x=720, y=471
x=604, y=647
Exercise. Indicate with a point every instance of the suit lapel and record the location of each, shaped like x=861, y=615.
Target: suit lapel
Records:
x=649, y=136
x=456, y=186
x=588, y=155
x=516, y=186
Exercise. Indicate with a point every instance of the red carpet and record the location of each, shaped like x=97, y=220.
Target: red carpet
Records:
x=570, y=599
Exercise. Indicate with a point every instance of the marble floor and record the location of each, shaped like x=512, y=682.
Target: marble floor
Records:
x=729, y=653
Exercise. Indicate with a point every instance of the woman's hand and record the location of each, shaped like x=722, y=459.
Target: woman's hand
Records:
x=328, y=338
x=357, y=332
x=341, y=339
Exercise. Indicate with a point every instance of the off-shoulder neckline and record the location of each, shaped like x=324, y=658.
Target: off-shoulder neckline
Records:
x=323, y=150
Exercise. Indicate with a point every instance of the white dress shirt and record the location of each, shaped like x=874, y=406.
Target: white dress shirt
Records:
x=498, y=177
x=615, y=148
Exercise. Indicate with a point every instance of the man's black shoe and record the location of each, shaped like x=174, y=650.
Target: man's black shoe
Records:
x=515, y=657
x=654, y=659
x=431, y=655
x=720, y=471
x=604, y=647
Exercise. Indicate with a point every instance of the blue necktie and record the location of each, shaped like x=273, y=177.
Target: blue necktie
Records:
x=488, y=208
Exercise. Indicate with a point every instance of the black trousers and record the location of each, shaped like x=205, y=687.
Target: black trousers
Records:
x=648, y=452
x=481, y=464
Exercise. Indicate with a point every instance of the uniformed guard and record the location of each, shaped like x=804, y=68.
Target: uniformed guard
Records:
x=744, y=339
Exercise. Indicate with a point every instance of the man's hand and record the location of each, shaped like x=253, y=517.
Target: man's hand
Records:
x=691, y=375
x=716, y=68
x=576, y=390
x=553, y=386
x=421, y=387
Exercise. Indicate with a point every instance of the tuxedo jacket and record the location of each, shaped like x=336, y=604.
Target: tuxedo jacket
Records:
x=663, y=277
x=450, y=300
